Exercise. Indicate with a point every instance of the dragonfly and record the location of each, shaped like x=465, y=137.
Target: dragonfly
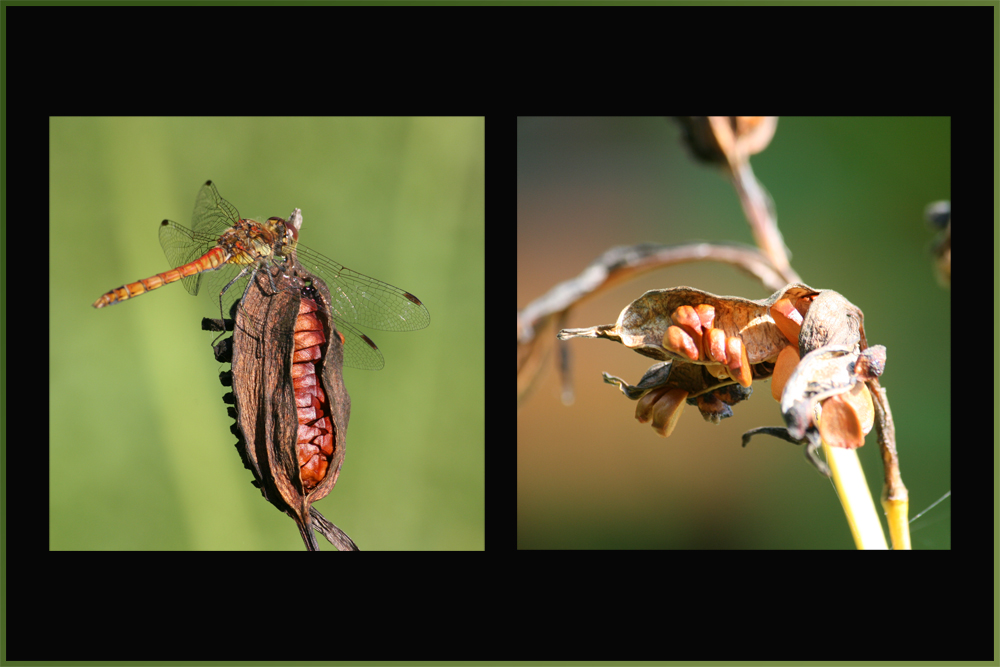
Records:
x=222, y=252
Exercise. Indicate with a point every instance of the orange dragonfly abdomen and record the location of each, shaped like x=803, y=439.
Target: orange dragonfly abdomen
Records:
x=213, y=259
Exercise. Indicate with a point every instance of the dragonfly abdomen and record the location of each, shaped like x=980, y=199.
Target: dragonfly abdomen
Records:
x=207, y=262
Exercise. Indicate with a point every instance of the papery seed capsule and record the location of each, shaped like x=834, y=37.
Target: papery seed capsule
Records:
x=292, y=407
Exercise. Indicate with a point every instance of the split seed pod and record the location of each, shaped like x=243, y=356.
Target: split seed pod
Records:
x=832, y=376
x=667, y=386
x=813, y=342
x=292, y=407
x=655, y=321
x=709, y=341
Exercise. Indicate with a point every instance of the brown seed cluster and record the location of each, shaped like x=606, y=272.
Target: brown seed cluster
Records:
x=314, y=445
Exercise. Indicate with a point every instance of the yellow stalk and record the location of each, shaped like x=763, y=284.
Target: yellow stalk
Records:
x=849, y=479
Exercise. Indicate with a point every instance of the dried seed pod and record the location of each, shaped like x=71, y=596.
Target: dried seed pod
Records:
x=708, y=342
x=283, y=380
x=711, y=396
x=825, y=399
x=821, y=374
x=644, y=325
x=831, y=320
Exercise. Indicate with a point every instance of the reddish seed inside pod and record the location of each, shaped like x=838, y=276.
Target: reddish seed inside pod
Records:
x=715, y=345
x=788, y=319
x=687, y=319
x=667, y=410
x=644, y=406
x=739, y=364
x=679, y=341
x=313, y=446
x=706, y=314
x=783, y=367
x=839, y=425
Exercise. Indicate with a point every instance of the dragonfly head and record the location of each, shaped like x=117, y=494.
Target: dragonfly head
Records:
x=291, y=226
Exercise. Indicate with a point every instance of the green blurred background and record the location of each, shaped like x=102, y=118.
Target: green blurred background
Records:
x=141, y=454
x=850, y=196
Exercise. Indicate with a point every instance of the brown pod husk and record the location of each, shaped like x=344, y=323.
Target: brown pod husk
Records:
x=825, y=372
x=711, y=395
x=643, y=323
x=831, y=320
x=661, y=324
x=264, y=392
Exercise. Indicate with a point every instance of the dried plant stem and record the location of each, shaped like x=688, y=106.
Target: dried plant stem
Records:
x=895, y=497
